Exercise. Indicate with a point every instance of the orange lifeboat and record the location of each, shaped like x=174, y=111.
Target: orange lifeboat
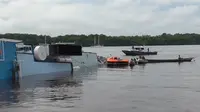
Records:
x=117, y=61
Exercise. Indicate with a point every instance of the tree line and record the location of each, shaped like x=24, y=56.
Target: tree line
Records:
x=88, y=40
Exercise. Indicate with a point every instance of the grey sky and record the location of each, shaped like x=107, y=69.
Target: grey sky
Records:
x=111, y=17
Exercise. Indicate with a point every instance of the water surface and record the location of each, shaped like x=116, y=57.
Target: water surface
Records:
x=168, y=87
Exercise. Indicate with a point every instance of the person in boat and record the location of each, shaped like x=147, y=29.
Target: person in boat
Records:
x=143, y=57
x=148, y=49
x=179, y=57
x=132, y=62
x=135, y=60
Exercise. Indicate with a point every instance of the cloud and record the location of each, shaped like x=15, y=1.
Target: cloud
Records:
x=111, y=17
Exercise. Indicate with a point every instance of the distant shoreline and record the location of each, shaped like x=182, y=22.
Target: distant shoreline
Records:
x=88, y=40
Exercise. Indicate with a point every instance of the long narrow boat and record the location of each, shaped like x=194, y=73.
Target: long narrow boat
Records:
x=165, y=60
x=169, y=60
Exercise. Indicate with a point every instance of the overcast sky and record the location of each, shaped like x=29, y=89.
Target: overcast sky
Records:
x=110, y=17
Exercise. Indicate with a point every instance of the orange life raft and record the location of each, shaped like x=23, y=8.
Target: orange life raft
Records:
x=117, y=61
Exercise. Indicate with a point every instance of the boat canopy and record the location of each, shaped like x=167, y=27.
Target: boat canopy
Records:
x=138, y=48
x=65, y=49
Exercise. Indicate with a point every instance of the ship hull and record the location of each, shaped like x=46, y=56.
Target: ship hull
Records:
x=28, y=66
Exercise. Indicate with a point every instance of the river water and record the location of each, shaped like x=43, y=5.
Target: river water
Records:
x=164, y=87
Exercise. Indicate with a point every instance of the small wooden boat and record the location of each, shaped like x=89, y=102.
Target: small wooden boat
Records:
x=165, y=60
x=116, y=61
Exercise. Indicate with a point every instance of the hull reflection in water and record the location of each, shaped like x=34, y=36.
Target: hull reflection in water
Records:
x=8, y=93
x=31, y=92
x=85, y=73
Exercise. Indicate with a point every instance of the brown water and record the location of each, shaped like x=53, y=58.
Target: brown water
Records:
x=168, y=87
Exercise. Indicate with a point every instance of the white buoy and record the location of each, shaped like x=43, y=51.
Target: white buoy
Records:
x=40, y=53
x=76, y=68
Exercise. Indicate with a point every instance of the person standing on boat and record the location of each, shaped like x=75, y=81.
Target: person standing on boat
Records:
x=143, y=57
x=179, y=57
x=131, y=63
x=135, y=61
x=148, y=49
